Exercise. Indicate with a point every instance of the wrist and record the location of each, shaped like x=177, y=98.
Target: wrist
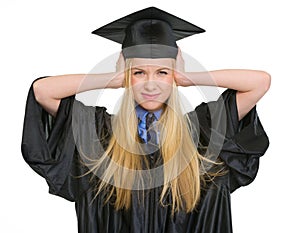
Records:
x=117, y=80
x=183, y=79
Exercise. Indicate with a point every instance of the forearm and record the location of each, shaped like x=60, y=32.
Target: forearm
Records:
x=49, y=91
x=61, y=86
x=251, y=85
x=240, y=80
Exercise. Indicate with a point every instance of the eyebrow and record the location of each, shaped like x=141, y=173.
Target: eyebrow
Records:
x=165, y=68
x=162, y=68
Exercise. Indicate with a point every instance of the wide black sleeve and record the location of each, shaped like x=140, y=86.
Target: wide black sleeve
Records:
x=49, y=147
x=239, y=144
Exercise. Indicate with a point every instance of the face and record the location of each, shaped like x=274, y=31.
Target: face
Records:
x=152, y=82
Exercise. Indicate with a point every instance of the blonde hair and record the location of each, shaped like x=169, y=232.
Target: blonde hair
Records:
x=184, y=175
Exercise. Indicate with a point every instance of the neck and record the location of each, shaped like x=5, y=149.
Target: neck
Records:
x=140, y=111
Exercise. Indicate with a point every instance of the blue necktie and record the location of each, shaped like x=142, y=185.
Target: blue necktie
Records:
x=144, y=125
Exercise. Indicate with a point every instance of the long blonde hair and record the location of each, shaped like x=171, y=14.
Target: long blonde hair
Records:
x=183, y=171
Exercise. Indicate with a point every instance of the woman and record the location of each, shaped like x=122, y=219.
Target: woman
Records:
x=191, y=191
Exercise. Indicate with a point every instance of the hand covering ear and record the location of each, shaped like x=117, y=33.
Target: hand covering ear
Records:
x=179, y=73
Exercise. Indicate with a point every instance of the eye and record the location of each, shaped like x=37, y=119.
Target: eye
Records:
x=138, y=72
x=163, y=72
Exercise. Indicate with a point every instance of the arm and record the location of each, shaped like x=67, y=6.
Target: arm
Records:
x=251, y=85
x=49, y=91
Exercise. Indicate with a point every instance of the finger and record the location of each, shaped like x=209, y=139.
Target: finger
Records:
x=179, y=53
x=121, y=57
x=120, y=65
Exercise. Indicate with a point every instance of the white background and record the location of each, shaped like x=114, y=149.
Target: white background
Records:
x=39, y=38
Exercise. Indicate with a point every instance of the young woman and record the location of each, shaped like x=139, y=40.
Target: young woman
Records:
x=150, y=174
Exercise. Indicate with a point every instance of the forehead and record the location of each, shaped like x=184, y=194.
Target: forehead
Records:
x=159, y=62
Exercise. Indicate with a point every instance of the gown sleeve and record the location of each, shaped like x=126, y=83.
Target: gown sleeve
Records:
x=243, y=142
x=48, y=146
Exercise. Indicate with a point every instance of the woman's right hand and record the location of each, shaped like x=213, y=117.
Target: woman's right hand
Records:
x=120, y=69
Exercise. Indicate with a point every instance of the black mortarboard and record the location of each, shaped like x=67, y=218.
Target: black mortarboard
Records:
x=148, y=33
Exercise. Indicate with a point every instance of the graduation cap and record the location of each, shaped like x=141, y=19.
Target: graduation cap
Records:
x=148, y=33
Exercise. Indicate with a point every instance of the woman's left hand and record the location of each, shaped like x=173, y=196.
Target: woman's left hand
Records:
x=180, y=76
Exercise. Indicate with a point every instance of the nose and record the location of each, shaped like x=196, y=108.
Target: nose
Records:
x=150, y=84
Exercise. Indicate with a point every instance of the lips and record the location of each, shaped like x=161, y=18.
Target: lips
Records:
x=150, y=96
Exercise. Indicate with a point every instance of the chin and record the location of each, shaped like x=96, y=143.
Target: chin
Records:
x=152, y=105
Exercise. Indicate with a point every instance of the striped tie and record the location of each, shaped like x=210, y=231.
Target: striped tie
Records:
x=144, y=125
x=150, y=118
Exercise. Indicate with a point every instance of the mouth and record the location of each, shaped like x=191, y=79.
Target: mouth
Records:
x=150, y=96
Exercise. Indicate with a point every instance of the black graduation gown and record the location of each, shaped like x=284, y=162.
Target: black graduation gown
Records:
x=48, y=147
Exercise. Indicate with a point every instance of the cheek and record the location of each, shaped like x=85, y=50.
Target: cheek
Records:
x=167, y=85
x=134, y=81
x=136, y=86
